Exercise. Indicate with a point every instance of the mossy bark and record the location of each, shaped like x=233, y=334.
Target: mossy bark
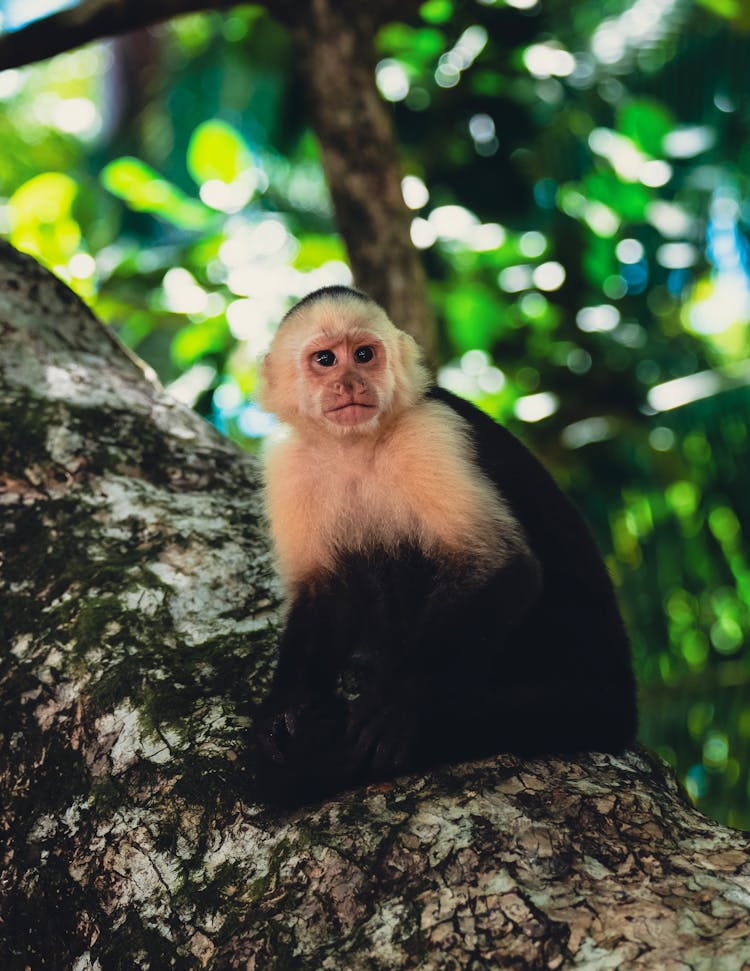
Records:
x=138, y=613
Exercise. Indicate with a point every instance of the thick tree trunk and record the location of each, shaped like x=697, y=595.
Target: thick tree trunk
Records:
x=138, y=616
x=336, y=59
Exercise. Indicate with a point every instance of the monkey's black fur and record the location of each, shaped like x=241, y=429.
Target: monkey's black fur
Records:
x=332, y=292
x=396, y=662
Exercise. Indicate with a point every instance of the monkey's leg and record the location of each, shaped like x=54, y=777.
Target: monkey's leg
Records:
x=469, y=720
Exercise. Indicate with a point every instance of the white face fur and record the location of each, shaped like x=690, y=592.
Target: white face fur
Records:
x=339, y=366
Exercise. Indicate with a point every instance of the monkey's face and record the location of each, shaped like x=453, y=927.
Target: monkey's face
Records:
x=342, y=367
x=347, y=379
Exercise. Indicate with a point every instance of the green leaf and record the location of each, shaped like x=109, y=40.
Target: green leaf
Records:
x=599, y=260
x=415, y=47
x=41, y=219
x=735, y=10
x=47, y=198
x=488, y=83
x=195, y=341
x=144, y=190
x=217, y=151
x=473, y=317
x=628, y=199
x=52, y=243
x=436, y=11
x=646, y=123
x=314, y=250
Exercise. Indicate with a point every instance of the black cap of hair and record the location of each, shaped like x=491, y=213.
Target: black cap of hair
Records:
x=336, y=292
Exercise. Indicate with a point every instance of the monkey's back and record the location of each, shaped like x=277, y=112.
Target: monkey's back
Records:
x=574, y=632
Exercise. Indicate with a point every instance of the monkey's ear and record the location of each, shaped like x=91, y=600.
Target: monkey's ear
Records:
x=266, y=383
x=277, y=388
x=413, y=378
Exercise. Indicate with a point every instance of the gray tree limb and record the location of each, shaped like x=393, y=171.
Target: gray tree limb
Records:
x=90, y=20
x=138, y=613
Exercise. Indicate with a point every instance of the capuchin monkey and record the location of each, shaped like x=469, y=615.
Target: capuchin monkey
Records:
x=445, y=600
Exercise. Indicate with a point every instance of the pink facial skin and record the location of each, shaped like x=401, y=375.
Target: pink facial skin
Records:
x=345, y=371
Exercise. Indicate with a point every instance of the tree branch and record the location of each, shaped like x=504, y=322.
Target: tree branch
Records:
x=90, y=20
x=95, y=19
x=336, y=59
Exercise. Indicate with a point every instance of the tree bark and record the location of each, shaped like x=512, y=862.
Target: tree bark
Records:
x=336, y=59
x=90, y=20
x=138, y=614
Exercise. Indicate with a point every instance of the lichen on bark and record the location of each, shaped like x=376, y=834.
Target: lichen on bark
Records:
x=138, y=611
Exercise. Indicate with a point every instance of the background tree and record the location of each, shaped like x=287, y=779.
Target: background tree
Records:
x=578, y=184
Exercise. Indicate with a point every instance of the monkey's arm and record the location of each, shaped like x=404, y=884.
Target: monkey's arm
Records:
x=297, y=755
x=456, y=716
x=458, y=632
x=346, y=634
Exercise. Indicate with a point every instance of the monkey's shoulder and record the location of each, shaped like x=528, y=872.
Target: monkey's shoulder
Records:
x=515, y=470
x=432, y=434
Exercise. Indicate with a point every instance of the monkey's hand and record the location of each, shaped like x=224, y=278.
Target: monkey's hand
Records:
x=292, y=727
x=276, y=733
x=383, y=732
x=299, y=755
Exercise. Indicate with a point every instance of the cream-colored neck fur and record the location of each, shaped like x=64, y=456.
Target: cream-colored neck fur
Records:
x=413, y=480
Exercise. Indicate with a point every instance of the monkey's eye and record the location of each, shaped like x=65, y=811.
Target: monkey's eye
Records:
x=364, y=354
x=325, y=358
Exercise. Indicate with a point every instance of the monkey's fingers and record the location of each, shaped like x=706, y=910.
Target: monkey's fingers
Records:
x=394, y=751
x=384, y=741
x=364, y=714
x=364, y=733
x=270, y=749
x=274, y=736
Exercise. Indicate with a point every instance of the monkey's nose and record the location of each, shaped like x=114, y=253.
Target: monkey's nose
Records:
x=350, y=383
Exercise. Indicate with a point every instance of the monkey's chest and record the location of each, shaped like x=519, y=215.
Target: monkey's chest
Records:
x=369, y=511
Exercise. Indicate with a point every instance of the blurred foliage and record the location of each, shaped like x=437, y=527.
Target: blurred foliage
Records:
x=579, y=181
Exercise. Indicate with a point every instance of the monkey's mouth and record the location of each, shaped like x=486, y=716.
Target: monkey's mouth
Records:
x=350, y=404
x=350, y=412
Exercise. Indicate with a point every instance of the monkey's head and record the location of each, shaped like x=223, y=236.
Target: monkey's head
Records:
x=339, y=364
